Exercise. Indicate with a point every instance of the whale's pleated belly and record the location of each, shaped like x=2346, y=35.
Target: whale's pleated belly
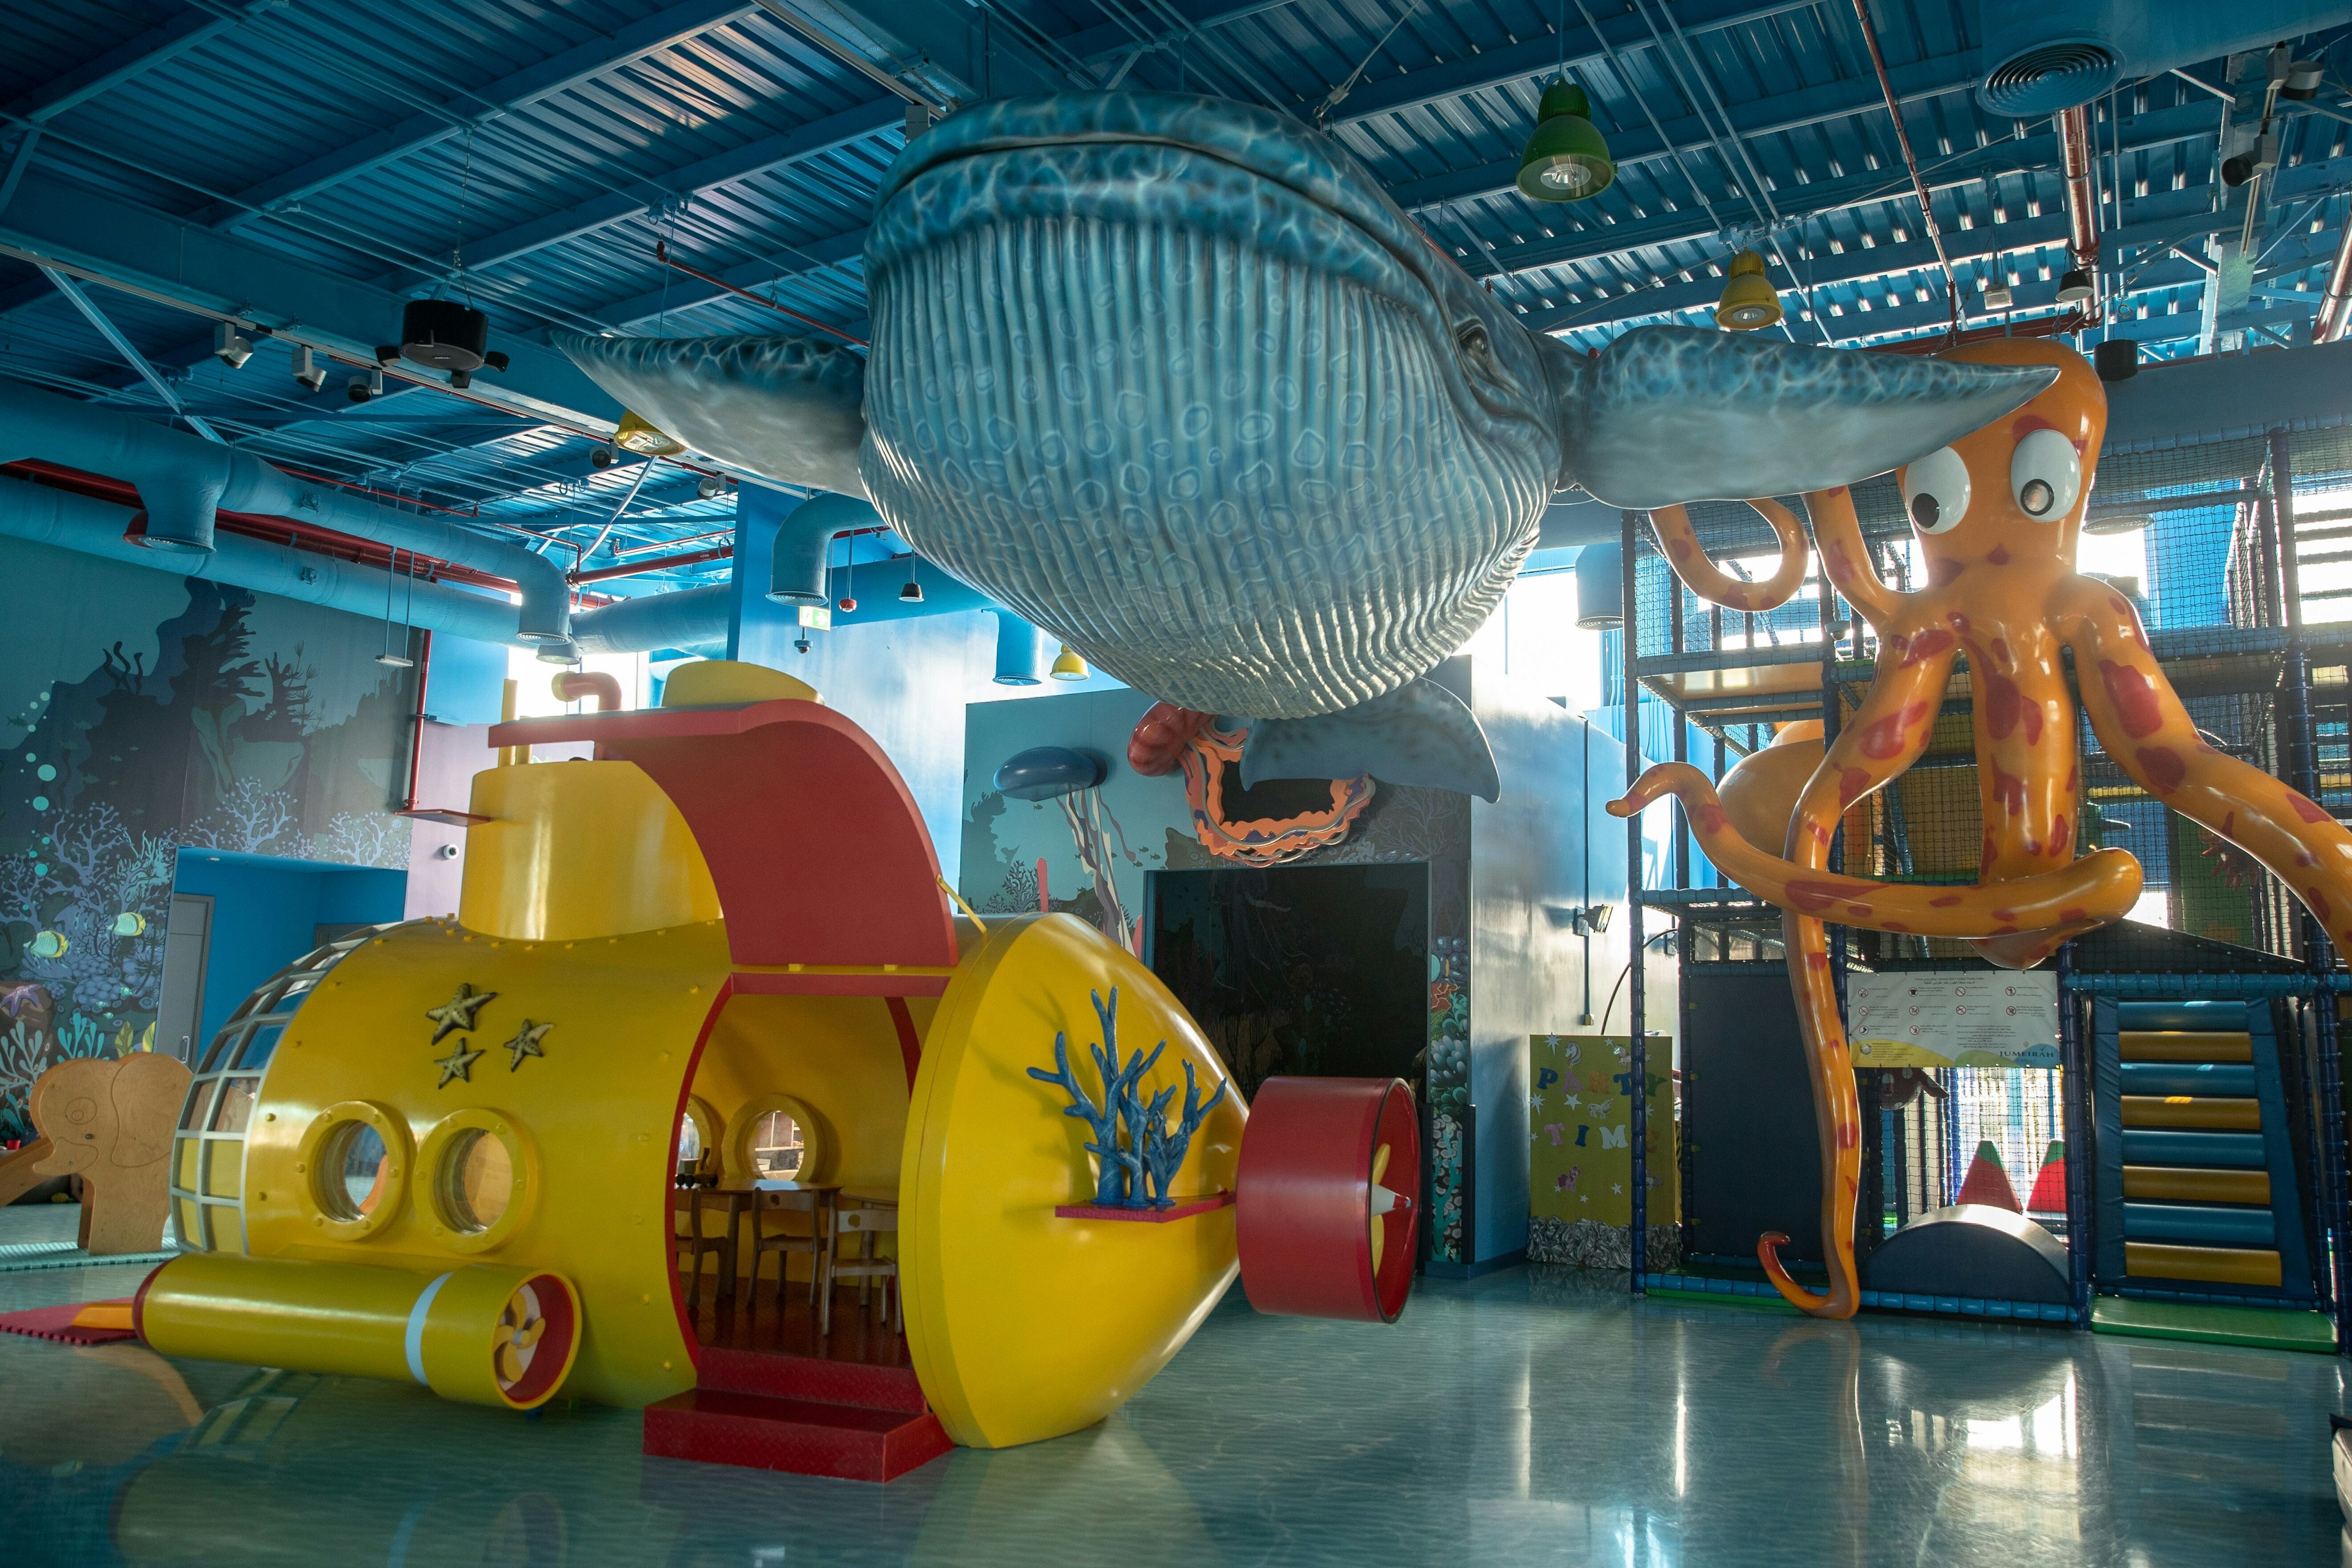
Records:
x=1236, y=483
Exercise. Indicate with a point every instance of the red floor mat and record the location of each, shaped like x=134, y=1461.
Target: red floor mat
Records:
x=57, y=1323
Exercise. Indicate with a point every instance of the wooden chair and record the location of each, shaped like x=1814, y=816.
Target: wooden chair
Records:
x=688, y=1201
x=867, y=1219
x=783, y=1243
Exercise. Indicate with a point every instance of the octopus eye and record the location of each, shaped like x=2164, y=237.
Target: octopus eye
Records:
x=2046, y=475
x=1935, y=491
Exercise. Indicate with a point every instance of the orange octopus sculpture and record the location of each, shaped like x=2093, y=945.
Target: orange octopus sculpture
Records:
x=1996, y=514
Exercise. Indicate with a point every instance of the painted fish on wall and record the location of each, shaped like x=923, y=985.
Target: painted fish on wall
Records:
x=1175, y=379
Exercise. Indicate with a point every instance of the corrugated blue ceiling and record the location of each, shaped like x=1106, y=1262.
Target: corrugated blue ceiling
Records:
x=529, y=156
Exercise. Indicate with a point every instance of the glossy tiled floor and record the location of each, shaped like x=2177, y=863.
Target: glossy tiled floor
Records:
x=1535, y=1416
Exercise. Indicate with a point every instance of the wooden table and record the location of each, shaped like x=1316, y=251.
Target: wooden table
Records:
x=737, y=1201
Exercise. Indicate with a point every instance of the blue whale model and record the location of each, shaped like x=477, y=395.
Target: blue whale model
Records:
x=1175, y=379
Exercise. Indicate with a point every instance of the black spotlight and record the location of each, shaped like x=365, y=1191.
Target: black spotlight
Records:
x=443, y=334
x=2118, y=359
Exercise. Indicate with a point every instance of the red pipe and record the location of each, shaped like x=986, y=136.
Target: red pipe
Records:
x=691, y=558
x=275, y=529
x=2335, y=305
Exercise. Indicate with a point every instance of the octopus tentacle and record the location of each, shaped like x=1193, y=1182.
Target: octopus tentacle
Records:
x=2028, y=768
x=2083, y=895
x=1688, y=558
x=2144, y=726
x=1845, y=558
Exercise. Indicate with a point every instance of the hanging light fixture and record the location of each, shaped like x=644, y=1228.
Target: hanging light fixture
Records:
x=1749, y=300
x=912, y=593
x=1068, y=666
x=2074, y=286
x=388, y=657
x=1567, y=158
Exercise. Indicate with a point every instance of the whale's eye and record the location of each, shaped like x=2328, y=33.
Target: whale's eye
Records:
x=1478, y=350
x=1935, y=491
x=2046, y=476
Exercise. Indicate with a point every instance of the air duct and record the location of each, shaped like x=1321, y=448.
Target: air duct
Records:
x=796, y=570
x=692, y=620
x=1020, y=651
x=2043, y=56
x=183, y=480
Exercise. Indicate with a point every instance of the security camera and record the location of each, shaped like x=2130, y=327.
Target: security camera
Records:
x=307, y=369
x=365, y=384
x=233, y=347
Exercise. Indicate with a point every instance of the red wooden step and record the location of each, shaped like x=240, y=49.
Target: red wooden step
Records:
x=804, y=1437
x=811, y=1378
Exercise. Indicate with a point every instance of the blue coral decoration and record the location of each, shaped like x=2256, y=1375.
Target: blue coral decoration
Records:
x=1120, y=1176
x=1163, y=1147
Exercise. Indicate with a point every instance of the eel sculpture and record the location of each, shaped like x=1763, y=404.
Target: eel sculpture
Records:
x=1173, y=378
x=1997, y=515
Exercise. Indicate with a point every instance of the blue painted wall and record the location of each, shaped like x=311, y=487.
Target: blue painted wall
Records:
x=266, y=913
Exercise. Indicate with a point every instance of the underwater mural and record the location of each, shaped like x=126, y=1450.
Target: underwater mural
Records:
x=141, y=713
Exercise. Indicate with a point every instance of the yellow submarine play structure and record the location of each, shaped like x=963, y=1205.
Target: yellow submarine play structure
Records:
x=449, y=1151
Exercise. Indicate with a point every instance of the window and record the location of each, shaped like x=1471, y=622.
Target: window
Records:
x=776, y=1145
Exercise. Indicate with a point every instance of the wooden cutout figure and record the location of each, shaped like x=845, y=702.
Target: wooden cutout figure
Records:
x=109, y=1123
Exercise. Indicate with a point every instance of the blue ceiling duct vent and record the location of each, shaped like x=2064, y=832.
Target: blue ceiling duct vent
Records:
x=1600, y=587
x=2043, y=56
x=1048, y=772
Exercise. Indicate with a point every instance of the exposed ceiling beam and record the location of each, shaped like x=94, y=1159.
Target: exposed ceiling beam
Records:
x=452, y=116
x=158, y=46
x=765, y=156
x=1540, y=54
x=1865, y=265
x=2158, y=128
x=103, y=238
x=685, y=292
x=1776, y=115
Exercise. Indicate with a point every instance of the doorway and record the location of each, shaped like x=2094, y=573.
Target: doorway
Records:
x=187, y=939
x=1318, y=971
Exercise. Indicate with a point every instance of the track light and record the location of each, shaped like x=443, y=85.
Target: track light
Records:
x=1567, y=159
x=601, y=456
x=710, y=486
x=307, y=369
x=2302, y=80
x=1749, y=300
x=363, y=385
x=233, y=347
x=2074, y=286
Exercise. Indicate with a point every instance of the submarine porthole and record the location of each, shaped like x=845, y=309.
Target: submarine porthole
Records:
x=351, y=1171
x=475, y=1182
x=481, y=1176
x=354, y=1161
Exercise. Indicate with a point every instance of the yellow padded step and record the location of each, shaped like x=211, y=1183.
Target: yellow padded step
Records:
x=2183, y=1046
x=2192, y=1110
x=2187, y=1185
x=2214, y=1264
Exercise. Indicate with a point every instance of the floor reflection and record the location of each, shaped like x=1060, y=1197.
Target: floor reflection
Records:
x=1535, y=1416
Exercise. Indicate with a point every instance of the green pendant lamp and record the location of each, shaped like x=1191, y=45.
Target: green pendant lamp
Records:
x=1567, y=159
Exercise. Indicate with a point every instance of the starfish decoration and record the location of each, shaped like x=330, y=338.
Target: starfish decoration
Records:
x=457, y=1013
x=526, y=1042
x=458, y=1063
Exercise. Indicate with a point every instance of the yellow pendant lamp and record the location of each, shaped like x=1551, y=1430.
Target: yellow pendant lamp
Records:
x=1068, y=666
x=1748, y=301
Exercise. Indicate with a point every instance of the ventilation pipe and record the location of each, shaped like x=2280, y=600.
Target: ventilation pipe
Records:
x=692, y=620
x=2335, y=306
x=796, y=570
x=2082, y=205
x=1020, y=651
x=183, y=480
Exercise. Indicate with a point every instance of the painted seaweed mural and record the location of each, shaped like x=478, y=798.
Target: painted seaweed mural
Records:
x=150, y=715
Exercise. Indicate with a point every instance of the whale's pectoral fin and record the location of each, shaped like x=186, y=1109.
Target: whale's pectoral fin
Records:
x=1421, y=733
x=1670, y=415
x=790, y=408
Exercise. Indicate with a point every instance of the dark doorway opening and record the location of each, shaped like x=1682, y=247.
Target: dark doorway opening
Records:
x=1319, y=970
